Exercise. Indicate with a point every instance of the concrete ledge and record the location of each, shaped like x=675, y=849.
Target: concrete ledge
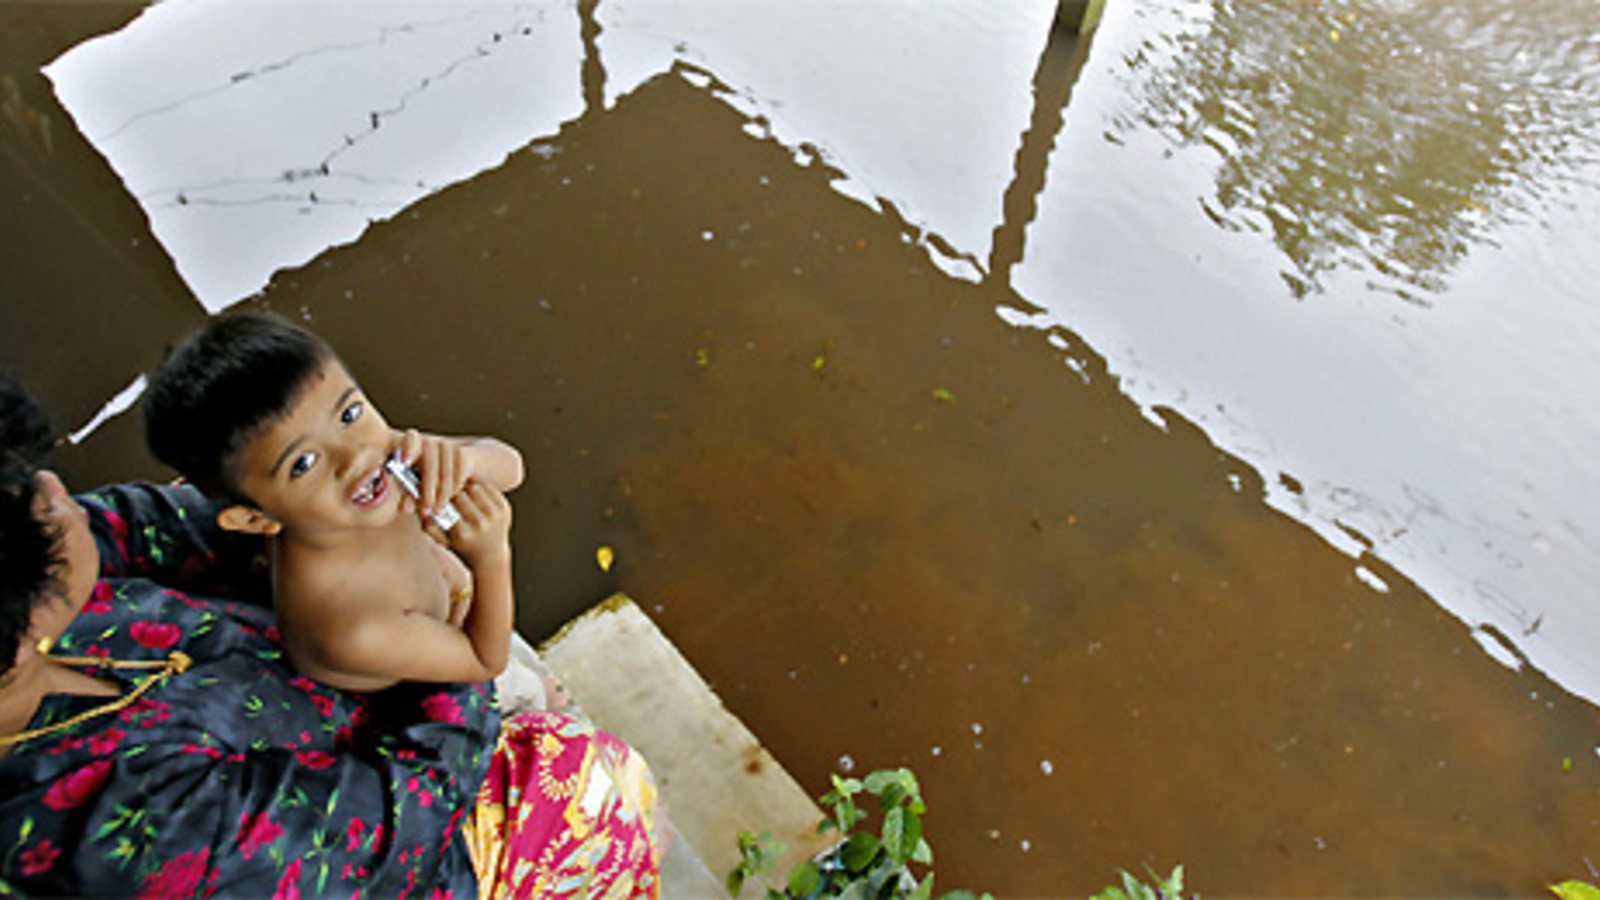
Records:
x=714, y=775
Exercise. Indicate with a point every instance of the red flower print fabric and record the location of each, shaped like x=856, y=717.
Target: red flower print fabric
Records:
x=236, y=777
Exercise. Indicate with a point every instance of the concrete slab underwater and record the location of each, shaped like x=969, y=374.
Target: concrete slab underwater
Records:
x=713, y=773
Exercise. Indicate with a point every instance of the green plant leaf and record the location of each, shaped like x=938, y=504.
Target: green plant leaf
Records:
x=846, y=814
x=756, y=853
x=879, y=782
x=804, y=879
x=893, y=795
x=912, y=841
x=858, y=852
x=1575, y=890
x=924, y=853
x=1173, y=886
x=855, y=890
x=884, y=879
x=894, y=835
x=847, y=787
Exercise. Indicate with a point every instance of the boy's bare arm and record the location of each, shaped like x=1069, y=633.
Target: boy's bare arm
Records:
x=367, y=641
x=368, y=653
x=483, y=538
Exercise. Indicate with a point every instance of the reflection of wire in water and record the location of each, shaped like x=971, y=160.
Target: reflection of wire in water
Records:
x=1390, y=136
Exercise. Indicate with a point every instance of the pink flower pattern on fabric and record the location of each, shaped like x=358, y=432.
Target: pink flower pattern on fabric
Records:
x=289, y=885
x=442, y=708
x=566, y=812
x=180, y=877
x=39, y=858
x=256, y=832
x=79, y=786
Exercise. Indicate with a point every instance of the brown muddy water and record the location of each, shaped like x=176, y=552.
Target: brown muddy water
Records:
x=901, y=514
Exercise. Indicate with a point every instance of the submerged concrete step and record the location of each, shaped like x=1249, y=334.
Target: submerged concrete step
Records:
x=714, y=775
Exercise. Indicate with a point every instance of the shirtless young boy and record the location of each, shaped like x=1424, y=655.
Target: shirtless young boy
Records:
x=262, y=416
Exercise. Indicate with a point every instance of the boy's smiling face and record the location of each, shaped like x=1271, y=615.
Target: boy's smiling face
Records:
x=320, y=467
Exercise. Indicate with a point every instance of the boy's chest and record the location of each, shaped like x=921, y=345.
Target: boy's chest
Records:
x=426, y=573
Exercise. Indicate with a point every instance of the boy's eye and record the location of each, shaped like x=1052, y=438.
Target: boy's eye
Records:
x=302, y=464
x=351, y=412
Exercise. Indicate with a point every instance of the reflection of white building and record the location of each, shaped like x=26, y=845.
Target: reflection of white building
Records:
x=256, y=135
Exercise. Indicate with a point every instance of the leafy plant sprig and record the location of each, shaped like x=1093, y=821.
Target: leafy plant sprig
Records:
x=1169, y=888
x=865, y=864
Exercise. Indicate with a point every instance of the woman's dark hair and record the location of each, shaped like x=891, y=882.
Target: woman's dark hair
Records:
x=29, y=547
x=220, y=388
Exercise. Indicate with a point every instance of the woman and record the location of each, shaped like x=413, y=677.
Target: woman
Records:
x=156, y=743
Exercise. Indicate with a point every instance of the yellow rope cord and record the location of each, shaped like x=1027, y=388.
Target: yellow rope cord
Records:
x=176, y=662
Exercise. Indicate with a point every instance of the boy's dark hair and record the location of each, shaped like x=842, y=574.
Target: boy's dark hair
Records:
x=29, y=548
x=220, y=387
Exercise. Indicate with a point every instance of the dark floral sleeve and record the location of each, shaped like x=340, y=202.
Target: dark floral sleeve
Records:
x=169, y=534
x=381, y=822
x=238, y=777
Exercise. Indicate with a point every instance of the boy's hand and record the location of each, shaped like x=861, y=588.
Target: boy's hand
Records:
x=443, y=468
x=483, y=536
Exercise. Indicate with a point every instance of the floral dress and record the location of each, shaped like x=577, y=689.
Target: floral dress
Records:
x=567, y=811
x=235, y=777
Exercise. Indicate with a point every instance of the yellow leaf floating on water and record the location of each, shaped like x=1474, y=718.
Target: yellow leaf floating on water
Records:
x=604, y=556
x=1575, y=890
x=943, y=396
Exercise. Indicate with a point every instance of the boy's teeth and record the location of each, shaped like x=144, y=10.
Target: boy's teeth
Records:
x=370, y=488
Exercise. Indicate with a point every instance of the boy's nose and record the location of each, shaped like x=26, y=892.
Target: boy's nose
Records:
x=347, y=457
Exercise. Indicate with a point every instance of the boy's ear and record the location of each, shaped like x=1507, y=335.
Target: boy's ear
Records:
x=248, y=519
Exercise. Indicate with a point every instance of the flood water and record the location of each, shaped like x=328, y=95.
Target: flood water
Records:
x=1177, y=444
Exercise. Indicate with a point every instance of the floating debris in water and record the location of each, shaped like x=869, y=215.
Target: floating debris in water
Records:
x=604, y=556
x=1372, y=580
x=847, y=764
x=1047, y=767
